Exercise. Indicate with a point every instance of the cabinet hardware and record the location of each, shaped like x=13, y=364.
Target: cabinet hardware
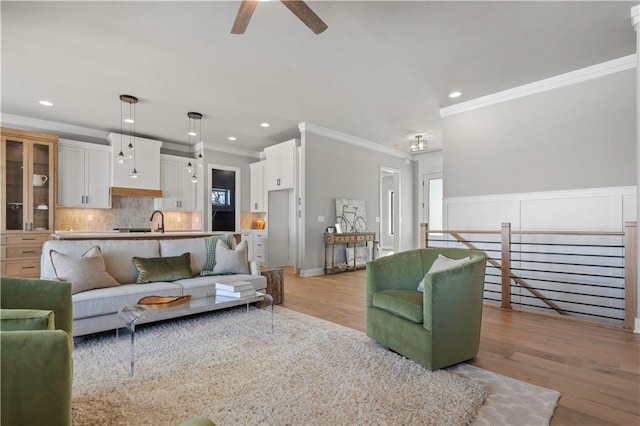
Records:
x=27, y=251
x=28, y=267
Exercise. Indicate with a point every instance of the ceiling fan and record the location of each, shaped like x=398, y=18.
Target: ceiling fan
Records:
x=298, y=7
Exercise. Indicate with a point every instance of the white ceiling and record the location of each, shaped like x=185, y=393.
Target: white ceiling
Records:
x=380, y=72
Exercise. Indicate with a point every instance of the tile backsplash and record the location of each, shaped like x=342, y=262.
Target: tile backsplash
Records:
x=125, y=212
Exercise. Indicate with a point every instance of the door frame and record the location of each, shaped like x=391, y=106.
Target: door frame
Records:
x=397, y=234
x=238, y=194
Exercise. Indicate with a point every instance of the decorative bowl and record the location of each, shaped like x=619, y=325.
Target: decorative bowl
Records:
x=159, y=302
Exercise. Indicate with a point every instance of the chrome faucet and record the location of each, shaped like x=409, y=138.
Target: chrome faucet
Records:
x=161, y=228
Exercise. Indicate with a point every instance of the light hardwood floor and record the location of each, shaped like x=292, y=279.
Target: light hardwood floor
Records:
x=595, y=368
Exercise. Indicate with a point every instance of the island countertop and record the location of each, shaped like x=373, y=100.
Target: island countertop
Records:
x=113, y=235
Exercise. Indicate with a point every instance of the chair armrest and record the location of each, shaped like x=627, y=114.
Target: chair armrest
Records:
x=26, y=293
x=36, y=375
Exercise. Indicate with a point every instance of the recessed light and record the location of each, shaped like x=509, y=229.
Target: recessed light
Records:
x=455, y=94
x=232, y=138
x=264, y=124
x=45, y=103
x=192, y=134
x=128, y=120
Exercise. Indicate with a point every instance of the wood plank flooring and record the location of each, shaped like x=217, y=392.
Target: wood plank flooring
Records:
x=595, y=368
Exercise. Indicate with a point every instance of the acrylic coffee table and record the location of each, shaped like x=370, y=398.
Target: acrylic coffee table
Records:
x=133, y=315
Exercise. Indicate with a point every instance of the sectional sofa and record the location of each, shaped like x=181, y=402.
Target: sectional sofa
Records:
x=95, y=309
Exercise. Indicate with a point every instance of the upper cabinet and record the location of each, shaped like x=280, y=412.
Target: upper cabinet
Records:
x=178, y=191
x=145, y=161
x=84, y=175
x=29, y=176
x=281, y=165
x=258, y=189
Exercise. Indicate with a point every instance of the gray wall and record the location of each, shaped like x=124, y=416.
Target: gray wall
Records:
x=575, y=137
x=336, y=169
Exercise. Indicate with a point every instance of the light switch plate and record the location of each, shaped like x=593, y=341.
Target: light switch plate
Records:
x=377, y=219
x=320, y=218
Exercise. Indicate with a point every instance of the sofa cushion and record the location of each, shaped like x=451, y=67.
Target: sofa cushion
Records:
x=26, y=319
x=156, y=269
x=406, y=304
x=105, y=301
x=232, y=260
x=85, y=272
x=210, y=244
x=442, y=263
x=194, y=246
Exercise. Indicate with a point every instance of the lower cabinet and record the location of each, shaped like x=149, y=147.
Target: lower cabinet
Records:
x=21, y=254
x=257, y=244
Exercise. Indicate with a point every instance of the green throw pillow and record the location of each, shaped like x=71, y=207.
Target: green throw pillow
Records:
x=210, y=242
x=153, y=269
x=26, y=319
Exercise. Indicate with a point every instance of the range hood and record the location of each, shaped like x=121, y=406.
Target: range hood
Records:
x=147, y=158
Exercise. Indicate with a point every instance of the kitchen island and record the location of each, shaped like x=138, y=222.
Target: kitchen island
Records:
x=117, y=235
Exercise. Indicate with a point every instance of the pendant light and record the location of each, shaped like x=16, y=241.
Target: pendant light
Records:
x=131, y=119
x=123, y=99
x=192, y=134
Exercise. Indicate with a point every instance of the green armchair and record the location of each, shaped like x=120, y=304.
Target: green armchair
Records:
x=435, y=328
x=35, y=352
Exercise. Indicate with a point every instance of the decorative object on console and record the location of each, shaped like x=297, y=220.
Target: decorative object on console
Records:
x=351, y=215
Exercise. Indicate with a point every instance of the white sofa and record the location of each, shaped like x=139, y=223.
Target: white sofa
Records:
x=96, y=310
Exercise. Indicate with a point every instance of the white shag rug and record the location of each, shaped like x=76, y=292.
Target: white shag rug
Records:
x=227, y=366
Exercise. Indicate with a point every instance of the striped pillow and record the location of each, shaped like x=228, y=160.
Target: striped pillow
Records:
x=210, y=242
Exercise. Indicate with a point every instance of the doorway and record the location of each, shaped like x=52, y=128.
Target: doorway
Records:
x=390, y=219
x=432, y=185
x=223, y=196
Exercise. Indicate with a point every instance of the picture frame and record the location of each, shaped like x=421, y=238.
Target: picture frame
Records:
x=339, y=229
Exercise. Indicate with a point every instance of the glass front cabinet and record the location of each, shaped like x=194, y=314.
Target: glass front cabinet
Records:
x=28, y=199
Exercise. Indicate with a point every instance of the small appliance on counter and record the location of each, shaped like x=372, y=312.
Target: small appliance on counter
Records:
x=132, y=229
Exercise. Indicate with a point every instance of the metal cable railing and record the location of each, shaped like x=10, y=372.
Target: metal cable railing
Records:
x=590, y=275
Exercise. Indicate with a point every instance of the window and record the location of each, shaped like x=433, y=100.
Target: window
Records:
x=220, y=197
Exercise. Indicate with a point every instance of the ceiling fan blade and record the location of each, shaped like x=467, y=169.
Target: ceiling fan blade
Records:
x=244, y=15
x=306, y=15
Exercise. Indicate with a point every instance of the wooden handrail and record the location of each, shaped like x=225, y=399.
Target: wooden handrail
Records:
x=630, y=274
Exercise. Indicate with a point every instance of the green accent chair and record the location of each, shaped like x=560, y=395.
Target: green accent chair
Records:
x=435, y=328
x=35, y=352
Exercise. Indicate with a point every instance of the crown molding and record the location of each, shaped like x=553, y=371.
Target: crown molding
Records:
x=51, y=126
x=573, y=77
x=635, y=17
x=232, y=150
x=343, y=137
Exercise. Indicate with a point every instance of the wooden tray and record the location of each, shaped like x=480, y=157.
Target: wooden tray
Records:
x=159, y=302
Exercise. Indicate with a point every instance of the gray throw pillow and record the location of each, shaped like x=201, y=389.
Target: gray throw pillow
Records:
x=442, y=263
x=228, y=260
x=84, y=273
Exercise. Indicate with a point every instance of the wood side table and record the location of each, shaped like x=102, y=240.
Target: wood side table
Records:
x=275, y=283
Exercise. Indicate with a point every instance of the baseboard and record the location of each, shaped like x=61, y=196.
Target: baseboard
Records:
x=637, y=327
x=311, y=272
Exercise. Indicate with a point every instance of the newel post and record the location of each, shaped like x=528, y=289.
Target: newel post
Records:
x=424, y=235
x=630, y=274
x=505, y=233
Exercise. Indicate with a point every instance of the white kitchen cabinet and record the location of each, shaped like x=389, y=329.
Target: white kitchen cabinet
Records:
x=258, y=189
x=178, y=191
x=84, y=175
x=257, y=245
x=281, y=165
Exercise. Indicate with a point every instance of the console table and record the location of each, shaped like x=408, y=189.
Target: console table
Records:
x=346, y=239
